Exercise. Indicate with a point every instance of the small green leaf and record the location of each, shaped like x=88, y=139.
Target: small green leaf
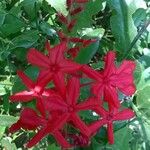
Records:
x=8, y=145
x=145, y=79
x=99, y=32
x=53, y=147
x=84, y=19
x=143, y=97
x=26, y=39
x=6, y=120
x=60, y=6
x=86, y=54
x=139, y=16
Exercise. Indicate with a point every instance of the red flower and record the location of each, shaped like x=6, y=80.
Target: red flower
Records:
x=112, y=79
x=30, y=120
x=54, y=66
x=62, y=18
x=108, y=118
x=76, y=11
x=69, y=106
x=71, y=24
x=35, y=90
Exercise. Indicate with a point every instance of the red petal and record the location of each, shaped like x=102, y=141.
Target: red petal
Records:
x=48, y=92
x=15, y=127
x=73, y=91
x=89, y=104
x=109, y=64
x=57, y=53
x=110, y=133
x=26, y=80
x=127, y=67
x=62, y=18
x=38, y=137
x=111, y=96
x=76, y=11
x=68, y=66
x=44, y=77
x=55, y=103
x=91, y=73
x=124, y=115
x=128, y=90
x=71, y=25
x=78, y=123
x=41, y=107
x=59, y=82
x=61, y=140
x=30, y=117
x=23, y=96
x=69, y=3
x=60, y=122
x=38, y=59
x=96, y=125
x=98, y=90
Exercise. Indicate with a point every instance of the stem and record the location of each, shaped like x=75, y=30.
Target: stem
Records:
x=136, y=38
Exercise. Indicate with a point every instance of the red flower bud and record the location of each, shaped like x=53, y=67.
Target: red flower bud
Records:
x=76, y=11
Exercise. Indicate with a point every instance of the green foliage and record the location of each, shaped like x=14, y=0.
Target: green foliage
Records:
x=6, y=121
x=114, y=23
x=122, y=24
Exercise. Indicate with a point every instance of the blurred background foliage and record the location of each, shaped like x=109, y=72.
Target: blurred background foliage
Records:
x=121, y=25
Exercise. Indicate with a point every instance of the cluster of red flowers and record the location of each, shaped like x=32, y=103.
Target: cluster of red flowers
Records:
x=60, y=105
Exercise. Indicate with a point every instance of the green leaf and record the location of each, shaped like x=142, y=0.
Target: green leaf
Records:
x=60, y=5
x=6, y=120
x=86, y=54
x=138, y=72
x=145, y=59
x=11, y=24
x=139, y=16
x=2, y=130
x=145, y=79
x=29, y=7
x=26, y=39
x=122, y=24
x=143, y=97
x=122, y=138
x=8, y=145
x=98, y=33
x=53, y=147
x=84, y=19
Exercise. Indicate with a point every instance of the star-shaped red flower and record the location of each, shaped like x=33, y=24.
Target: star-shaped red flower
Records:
x=55, y=65
x=35, y=90
x=112, y=79
x=30, y=120
x=108, y=117
x=70, y=107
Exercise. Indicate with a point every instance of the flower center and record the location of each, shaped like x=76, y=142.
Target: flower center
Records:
x=54, y=68
x=106, y=80
x=109, y=117
x=70, y=109
x=37, y=89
